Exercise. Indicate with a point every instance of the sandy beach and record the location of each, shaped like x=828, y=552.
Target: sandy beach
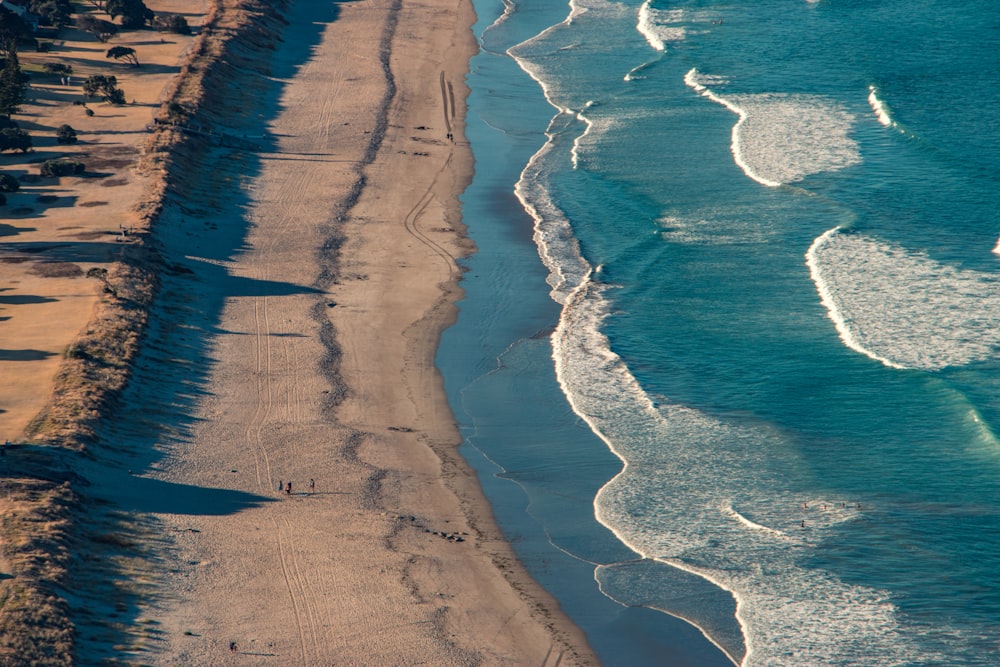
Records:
x=282, y=468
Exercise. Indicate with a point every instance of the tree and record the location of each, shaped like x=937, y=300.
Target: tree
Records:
x=135, y=14
x=116, y=96
x=58, y=68
x=177, y=113
x=123, y=52
x=107, y=86
x=62, y=167
x=12, y=139
x=66, y=135
x=52, y=12
x=13, y=84
x=8, y=183
x=175, y=23
x=94, y=83
x=12, y=30
x=99, y=28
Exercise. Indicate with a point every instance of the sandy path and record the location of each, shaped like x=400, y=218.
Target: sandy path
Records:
x=320, y=366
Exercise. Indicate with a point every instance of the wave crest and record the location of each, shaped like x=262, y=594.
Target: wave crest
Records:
x=902, y=308
x=782, y=138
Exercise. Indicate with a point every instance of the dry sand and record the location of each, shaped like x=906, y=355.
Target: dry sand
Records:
x=294, y=339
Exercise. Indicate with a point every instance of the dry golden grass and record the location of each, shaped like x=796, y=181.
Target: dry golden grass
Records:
x=44, y=538
x=35, y=526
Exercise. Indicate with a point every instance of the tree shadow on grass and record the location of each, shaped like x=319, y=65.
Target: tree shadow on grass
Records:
x=25, y=355
x=11, y=230
x=25, y=299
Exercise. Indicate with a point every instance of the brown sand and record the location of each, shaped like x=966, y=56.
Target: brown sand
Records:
x=305, y=351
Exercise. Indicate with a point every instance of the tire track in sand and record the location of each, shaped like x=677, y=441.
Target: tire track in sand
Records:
x=255, y=427
x=290, y=587
x=411, y=218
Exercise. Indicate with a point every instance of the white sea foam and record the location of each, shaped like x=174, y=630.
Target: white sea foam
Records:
x=715, y=227
x=557, y=246
x=575, y=152
x=879, y=107
x=686, y=477
x=635, y=73
x=532, y=67
x=783, y=138
x=695, y=492
x=661, y=26
x=727, y=509
x=508, y=9
x=901, y=307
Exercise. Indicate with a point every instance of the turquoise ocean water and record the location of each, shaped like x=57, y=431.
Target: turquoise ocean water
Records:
x=733, y=330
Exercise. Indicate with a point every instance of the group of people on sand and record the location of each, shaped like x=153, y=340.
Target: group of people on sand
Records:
x=287, y=487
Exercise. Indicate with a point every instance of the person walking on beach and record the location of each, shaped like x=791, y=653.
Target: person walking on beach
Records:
x=312, y=486
x=288, y=489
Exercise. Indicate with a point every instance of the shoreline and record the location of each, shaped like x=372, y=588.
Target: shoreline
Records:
x=189, y=569
x=381, y=463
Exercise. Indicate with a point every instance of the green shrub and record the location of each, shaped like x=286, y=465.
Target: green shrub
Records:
x=99, y=28
x=107, y=86
x=62, y=167
x=66, y=135
x=13, y=139
x=58, y=68
x=135, y=14
x=174, y=23
x=8, y=183
x=116, y=96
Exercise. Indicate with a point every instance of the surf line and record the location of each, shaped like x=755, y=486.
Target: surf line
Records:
x=727, y=509
x=644, y=409
x=691, y=80
x=588, y=125
x=830, y=303
x=879, y=107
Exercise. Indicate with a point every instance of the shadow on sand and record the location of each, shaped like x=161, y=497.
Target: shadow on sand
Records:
x=25, y=355
x=148, y=495
x=158, y=410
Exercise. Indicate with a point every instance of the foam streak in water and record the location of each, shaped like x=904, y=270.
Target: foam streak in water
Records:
x=685, y=497
x=902, y=308
x=879, y=107
x=784, y=138
x=660, y=27
x=557, y=246
x=575, y=153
